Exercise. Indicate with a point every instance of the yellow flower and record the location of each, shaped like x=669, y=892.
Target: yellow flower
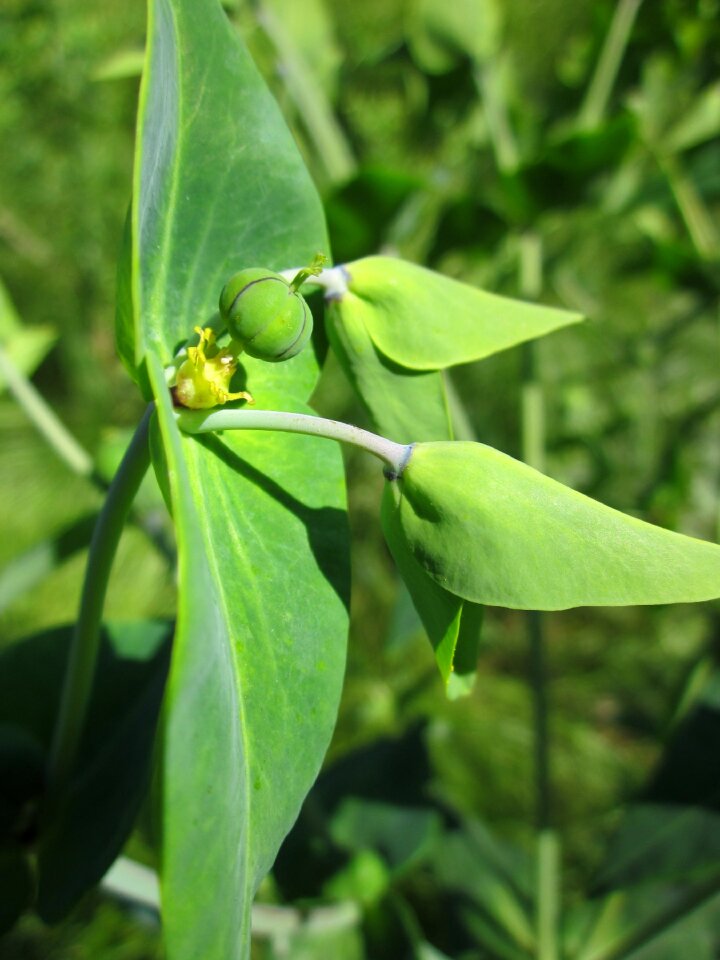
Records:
x=204, y=378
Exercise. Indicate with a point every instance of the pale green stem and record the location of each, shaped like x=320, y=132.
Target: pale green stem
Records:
x=394, y=455
x=80, y=670
x=533, y=449
x=606, y=70
x=59, y=438
x=548, y=886
x=697, y=218
x=640, y=934
x=44, y=418
x=488, y=83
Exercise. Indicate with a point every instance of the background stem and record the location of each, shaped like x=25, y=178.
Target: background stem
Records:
x=606, y=70
x=488, y=82
x=45, y=419
x=86, y=638
x=697, y=217
x=533, y=452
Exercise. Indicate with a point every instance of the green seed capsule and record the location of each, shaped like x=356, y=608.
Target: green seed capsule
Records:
x=265, y=315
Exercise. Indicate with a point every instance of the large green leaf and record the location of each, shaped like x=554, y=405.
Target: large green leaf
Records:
x=263, y=575
x=257, y=667
x=423, y=320
x=493, y=530
x=219, y=184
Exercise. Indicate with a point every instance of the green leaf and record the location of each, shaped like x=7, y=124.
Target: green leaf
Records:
x=328, y=930
x=495, y=531
x=403, y=836
x=392, y=395
x=673, y=831
x=661, y=841
x=701, y=122
x=26, y=346
x=426, y=321
x=219, y=184
x=29, y=568
x=494, y=877
x=257, y=667
x=406, y=406
x=439, y=34
x=76, y=840
x=452, y=624
x=653, y=922
x=259, y=652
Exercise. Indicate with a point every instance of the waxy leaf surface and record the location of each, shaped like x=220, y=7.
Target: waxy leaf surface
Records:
x=493, y=530
x=259, y=651
x=452, y=624
x=426, y=321
x=406, y=406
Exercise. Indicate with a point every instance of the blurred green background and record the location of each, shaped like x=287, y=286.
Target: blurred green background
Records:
x=464, y=135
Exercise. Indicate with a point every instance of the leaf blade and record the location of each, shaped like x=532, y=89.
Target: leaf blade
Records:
x=426, y=321
x=495, y=531
x=260, y=763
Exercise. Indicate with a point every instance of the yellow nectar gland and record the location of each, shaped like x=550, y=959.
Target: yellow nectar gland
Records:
x=204, y=378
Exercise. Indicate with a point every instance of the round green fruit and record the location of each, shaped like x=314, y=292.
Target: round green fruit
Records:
x=265, y=315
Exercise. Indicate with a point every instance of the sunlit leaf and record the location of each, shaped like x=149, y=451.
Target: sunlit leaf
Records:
x=404, y=405
x=423, y=320
x=259, y=651
x=452, y=624
x=493, y=530
x=25, y=346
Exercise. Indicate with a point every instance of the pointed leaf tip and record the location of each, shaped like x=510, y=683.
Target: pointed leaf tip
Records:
x=423, y=320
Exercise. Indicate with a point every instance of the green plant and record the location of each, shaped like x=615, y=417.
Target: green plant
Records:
x=258, y=651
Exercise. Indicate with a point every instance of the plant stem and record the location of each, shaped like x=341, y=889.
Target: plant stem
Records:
x=488, y=83
x=697, y=218
x=606, y=70
x=44, y=418
x=73, y=455
x=394, y=455
x=548, y=886
x=80, y=670
x=533, y=451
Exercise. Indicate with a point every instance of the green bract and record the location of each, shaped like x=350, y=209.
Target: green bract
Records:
x=492, y=530
x=265, y=315
x=398, y=325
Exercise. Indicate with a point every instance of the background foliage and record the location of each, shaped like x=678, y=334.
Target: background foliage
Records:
x=396, y=113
